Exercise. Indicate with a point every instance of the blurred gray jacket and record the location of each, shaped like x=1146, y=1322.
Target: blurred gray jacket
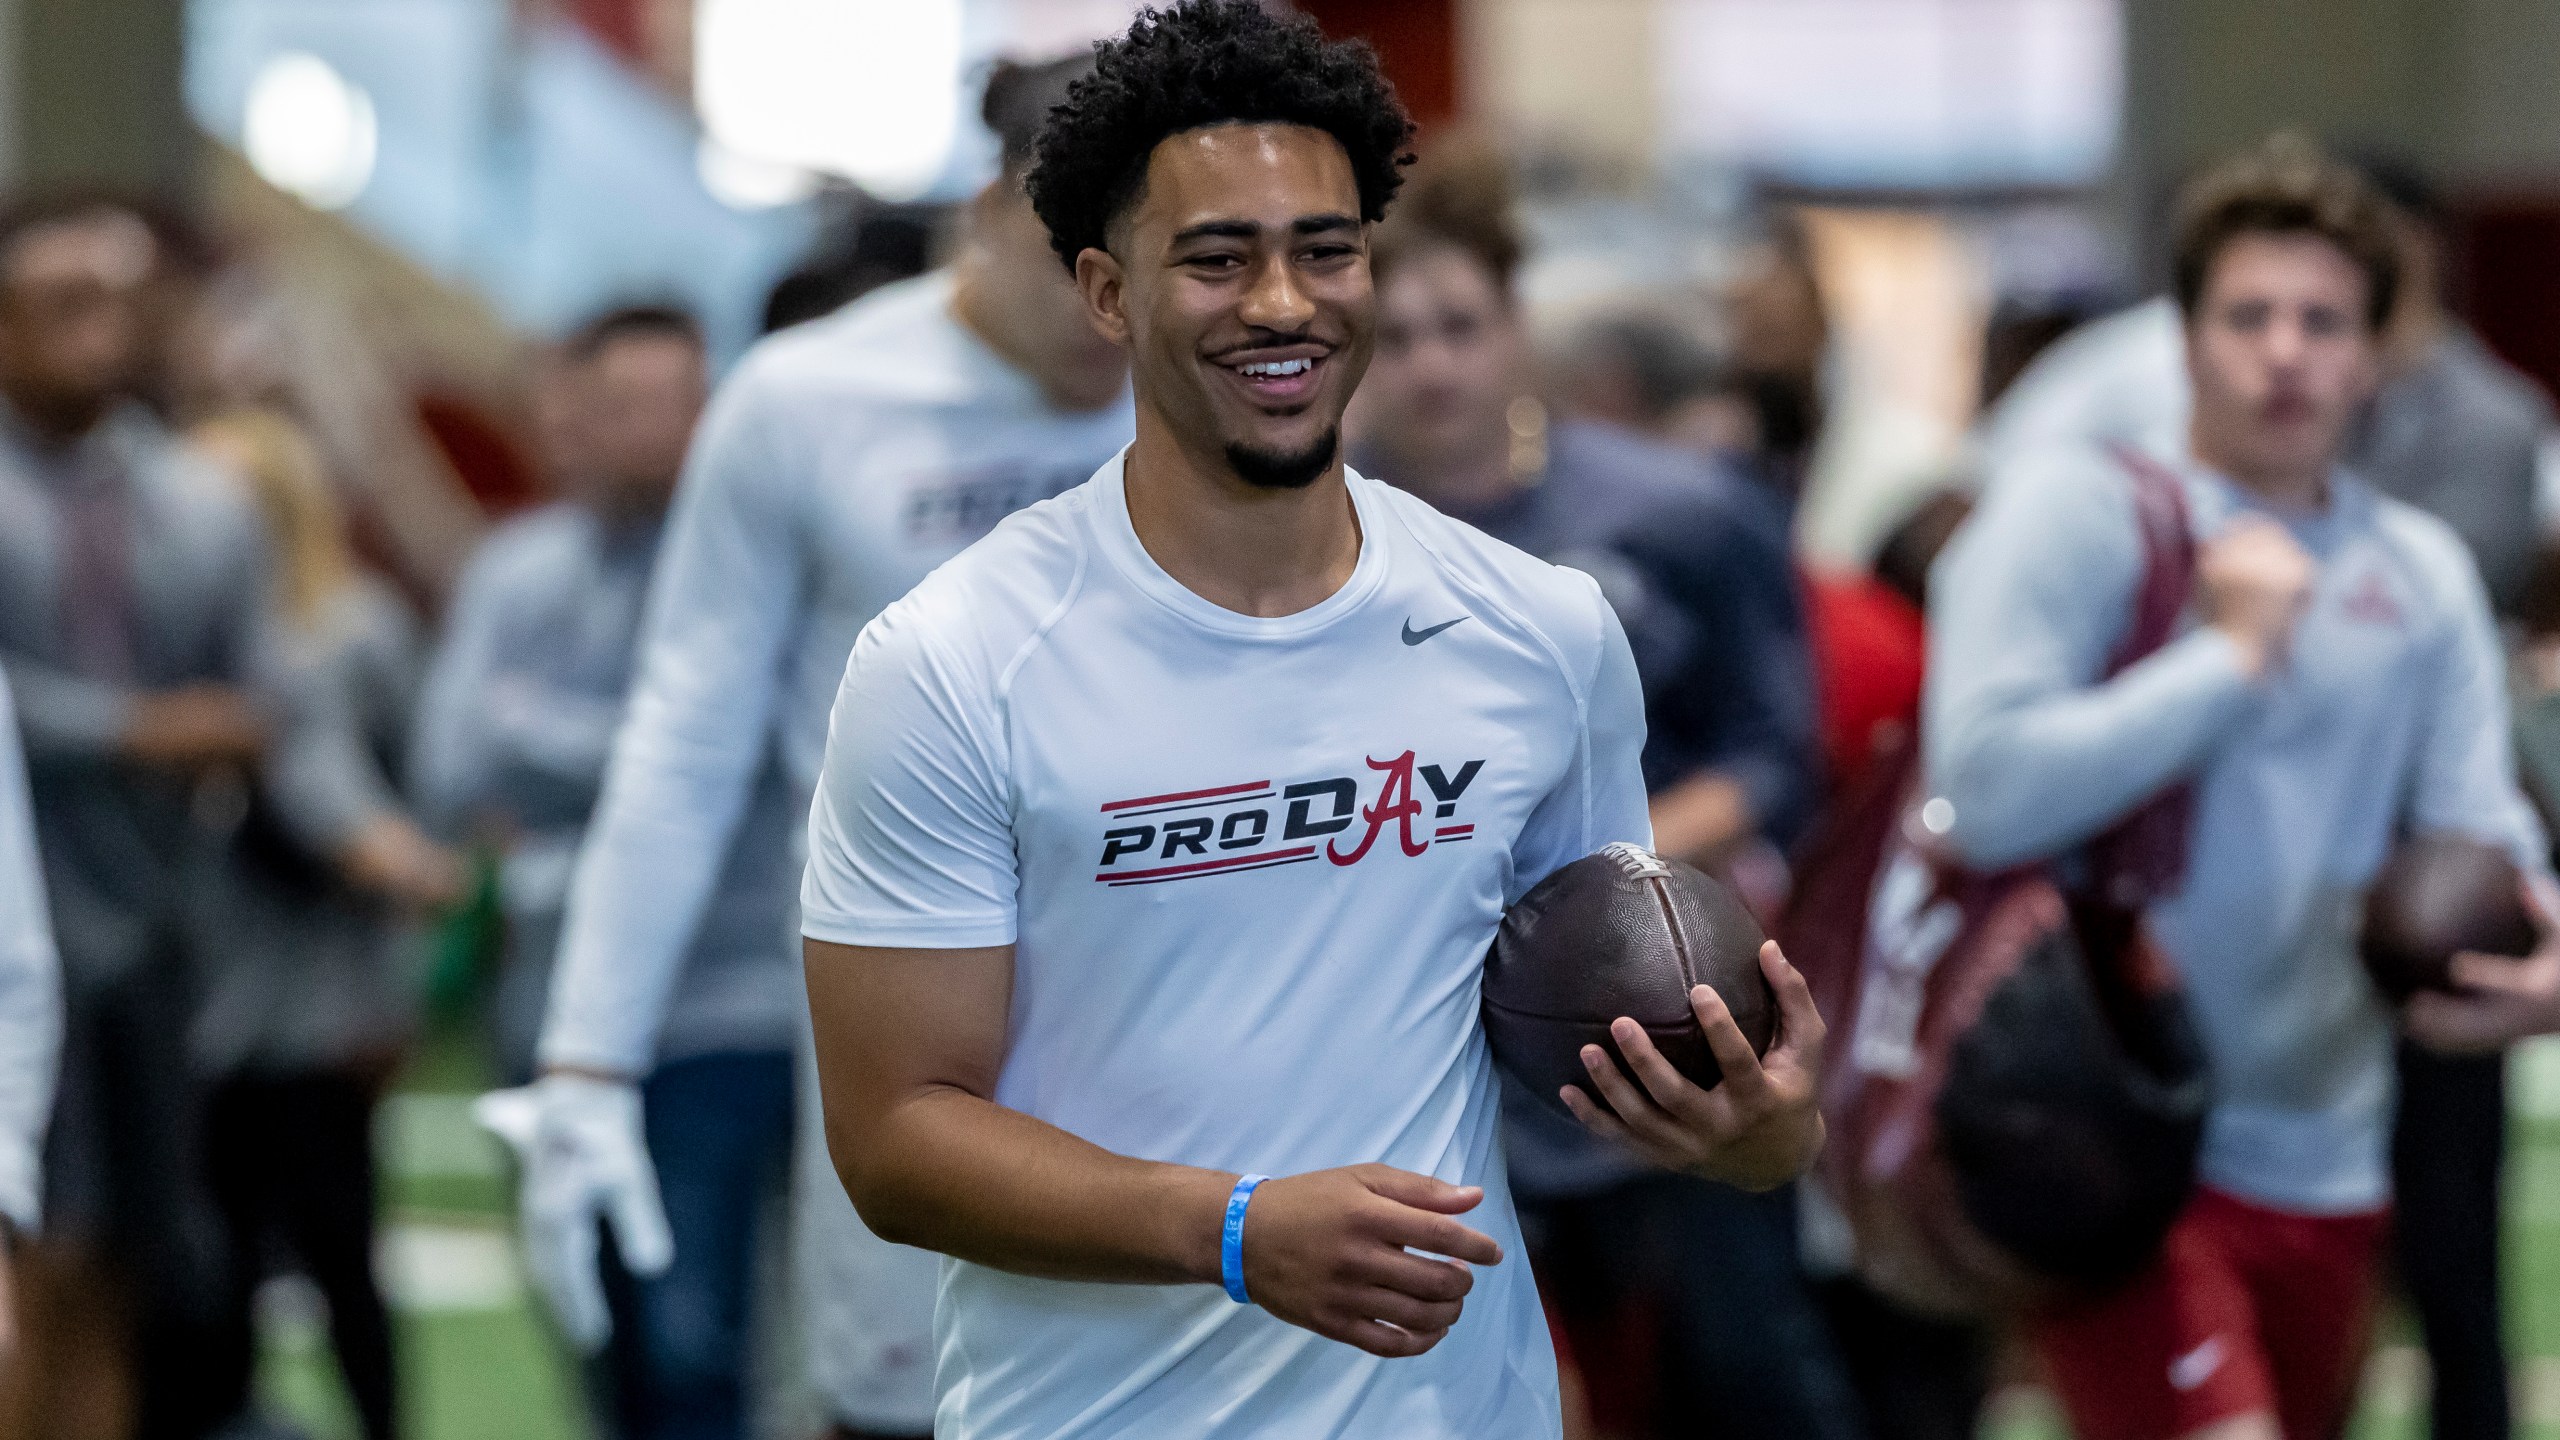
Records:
x=518, y=720
x=312, y=972
x=126, y=864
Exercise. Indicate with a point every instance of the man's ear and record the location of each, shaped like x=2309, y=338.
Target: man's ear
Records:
x=1098, y=277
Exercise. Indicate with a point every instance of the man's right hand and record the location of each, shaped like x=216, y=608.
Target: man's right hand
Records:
x=195, y=727
x=1330, y=1251
x=586, y=1165
x=2252, y=582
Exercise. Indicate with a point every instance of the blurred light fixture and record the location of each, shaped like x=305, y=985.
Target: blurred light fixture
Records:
x=743, y=182
x=309, y=130
x=865, y=89
x=1896, y=94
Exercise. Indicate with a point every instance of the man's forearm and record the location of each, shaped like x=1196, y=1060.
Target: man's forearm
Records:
x=68, y=717
x=949, y=1171
x=2034, y=778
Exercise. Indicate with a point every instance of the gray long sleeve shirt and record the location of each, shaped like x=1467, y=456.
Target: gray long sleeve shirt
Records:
x=518, y=722
x=125, y=864
x=2388, y=715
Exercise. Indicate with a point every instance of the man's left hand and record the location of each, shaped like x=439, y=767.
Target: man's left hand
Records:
x=2497, y=1000
x=1757, y=1129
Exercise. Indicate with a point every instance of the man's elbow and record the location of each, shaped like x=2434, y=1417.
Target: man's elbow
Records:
x=1969, y=817
x=867, y=1170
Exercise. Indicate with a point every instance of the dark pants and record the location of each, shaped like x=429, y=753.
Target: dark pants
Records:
x=1917, y=1377
x=1688, y=1312
x=2448, y=1153
x=292, y=1168
x=125, y=1175
x=719, y=1131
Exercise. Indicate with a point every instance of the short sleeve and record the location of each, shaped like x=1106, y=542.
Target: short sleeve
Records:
x=911, y=834
x=1600, y=798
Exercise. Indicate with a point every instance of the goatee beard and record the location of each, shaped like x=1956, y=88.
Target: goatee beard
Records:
x=1284, y=469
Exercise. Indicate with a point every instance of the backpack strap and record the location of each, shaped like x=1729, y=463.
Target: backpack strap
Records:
x=2168, y=557
x=2143, y=857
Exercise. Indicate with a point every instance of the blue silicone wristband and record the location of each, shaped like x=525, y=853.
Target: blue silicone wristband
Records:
x=1231, y=1239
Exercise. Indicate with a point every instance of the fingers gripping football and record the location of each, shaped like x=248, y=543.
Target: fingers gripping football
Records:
x=1758, y=1128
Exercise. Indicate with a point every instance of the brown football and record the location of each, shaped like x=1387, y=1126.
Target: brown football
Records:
x=1621, y=932
x=2439, y=895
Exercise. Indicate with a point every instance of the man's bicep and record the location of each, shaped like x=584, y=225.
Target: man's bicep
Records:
x=893, y=1023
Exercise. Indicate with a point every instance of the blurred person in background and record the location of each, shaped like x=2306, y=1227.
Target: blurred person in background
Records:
x=533, y=670
x=2345, y=684
x=2460, y=434
x=1655, y=374
x=133, y=607
x=842, y=462
x=885, y=246
x=1918, y=1376
x=308, y=1003
x=533, y=678
x=1682, y=1298
x=30, y=1027
x=1780, y=347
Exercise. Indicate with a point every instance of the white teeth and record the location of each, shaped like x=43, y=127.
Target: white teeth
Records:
x=1277, y=368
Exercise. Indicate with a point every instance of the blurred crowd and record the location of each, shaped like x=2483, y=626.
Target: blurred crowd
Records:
x=268, y=752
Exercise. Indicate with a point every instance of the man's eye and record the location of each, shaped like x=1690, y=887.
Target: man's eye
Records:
x=1214, y=262
x=2324, y=322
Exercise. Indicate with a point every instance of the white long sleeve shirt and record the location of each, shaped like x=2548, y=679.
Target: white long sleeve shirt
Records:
x=30, y=988
x=838, y=466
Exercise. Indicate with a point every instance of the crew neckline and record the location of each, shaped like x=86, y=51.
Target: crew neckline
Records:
x=1119, y=540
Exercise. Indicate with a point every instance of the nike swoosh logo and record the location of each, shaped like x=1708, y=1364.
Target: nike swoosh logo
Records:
x=1416, y=637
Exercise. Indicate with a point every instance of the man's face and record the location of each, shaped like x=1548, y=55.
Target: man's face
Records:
x=1239, y=282
x=71, y=315
x=2280, y=355
x=1449, y=359
x=643, y=394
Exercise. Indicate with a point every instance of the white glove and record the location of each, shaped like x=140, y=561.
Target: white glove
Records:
x=585, y=1164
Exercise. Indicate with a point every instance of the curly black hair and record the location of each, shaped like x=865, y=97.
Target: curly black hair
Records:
x=1200, y=63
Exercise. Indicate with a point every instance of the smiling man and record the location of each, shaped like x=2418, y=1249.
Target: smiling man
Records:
x=1162, y=833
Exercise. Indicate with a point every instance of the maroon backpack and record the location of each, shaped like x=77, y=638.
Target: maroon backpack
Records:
x=2014, y=1089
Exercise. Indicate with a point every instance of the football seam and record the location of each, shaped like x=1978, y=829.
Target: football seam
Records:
x=1679, y=938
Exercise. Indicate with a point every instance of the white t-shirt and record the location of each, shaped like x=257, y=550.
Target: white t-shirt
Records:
x=1250, y=868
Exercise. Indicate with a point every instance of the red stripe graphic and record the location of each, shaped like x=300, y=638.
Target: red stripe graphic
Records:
x=1453, y=832
x=1186, y=795
x=1199, y=867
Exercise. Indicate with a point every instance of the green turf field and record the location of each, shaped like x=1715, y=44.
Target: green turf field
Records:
x=479, y=1365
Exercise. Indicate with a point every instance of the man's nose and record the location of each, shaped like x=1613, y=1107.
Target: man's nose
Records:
x=1277, y=299
x=2288, y=340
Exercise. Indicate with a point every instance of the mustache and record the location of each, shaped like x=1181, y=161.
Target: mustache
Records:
x=1271, y=340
